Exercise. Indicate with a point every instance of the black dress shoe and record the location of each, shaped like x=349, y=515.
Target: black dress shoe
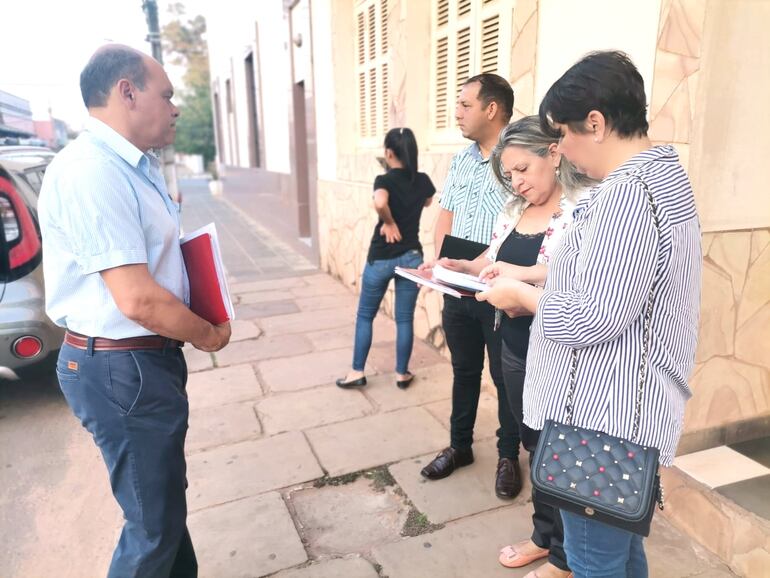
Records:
x=360, y=382
x=508, y=479
x=404, y=383
x=446, y=462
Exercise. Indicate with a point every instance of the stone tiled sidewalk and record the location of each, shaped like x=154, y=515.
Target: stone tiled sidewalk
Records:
x=276, y=450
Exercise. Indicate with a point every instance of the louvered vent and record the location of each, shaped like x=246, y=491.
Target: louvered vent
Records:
x=490, y=32
x=372, y=102
x=463, y=8
x=442, y=77
x=463, y=57
x=443, y=12
x=385, y=98
x=362, y=104
x=384, y=25
x=361, y=40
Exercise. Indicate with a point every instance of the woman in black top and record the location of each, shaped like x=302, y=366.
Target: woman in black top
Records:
x=399, y=198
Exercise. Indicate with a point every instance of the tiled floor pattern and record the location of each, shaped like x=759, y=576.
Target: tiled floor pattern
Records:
x=740, y=472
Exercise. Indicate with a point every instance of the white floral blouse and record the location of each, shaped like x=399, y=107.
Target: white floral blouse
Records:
x=559, y=223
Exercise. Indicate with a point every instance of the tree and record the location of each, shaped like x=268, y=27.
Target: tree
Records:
x=184, y=41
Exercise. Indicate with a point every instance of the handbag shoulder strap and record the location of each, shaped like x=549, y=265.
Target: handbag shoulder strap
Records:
x=643, y=363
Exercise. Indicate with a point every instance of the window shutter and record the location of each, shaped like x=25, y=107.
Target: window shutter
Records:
x=372, y=33
x=490, y=32
x=361, y=41
x=468, y=37
x=384, y=25
x=372, y=37
x=362, y=104
x=463, y=57
x=443, y=12
x=442, y=77
x=385, y=98
x=372, y=102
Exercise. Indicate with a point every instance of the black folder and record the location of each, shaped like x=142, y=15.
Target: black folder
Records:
x=458, y=248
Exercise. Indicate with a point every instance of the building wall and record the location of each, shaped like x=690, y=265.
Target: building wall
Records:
x=705, y=63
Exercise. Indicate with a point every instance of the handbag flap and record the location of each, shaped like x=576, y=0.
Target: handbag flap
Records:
x=595, y=470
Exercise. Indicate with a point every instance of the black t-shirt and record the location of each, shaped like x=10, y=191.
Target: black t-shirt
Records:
x=406, y=199
x=518, y=249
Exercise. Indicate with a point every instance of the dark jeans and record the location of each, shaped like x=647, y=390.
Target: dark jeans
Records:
x=548, y=530
x=374, y=284
x=134, y=405
x=469, y=328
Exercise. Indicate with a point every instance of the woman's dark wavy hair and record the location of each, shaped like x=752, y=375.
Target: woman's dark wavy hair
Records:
x=403, y=144
x=605, y=81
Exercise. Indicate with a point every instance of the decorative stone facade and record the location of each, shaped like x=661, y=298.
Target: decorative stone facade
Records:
x=731, y=381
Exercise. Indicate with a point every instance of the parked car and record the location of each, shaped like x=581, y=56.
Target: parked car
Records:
x=28, y=338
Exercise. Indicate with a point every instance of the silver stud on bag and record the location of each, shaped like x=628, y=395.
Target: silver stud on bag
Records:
x=621, y=500
x=561, y=437
x=578, y=463
x=573, y=485
x=626, y=476
x=606, y=448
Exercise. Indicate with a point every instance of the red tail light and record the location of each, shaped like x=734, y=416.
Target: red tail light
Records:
x=21, y=239
x=27, y=346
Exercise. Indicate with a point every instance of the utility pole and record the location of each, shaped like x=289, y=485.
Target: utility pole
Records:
x=150, y=8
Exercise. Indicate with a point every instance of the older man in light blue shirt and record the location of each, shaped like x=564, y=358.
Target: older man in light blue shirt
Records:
x=115, y=279
x=115, y=211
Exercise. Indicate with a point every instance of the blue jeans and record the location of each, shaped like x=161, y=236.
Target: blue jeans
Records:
x=374, y=283
x=596, y=550
x=134, y=404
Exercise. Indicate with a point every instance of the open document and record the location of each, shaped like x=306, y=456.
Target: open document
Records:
x=209, y=293
x=443, y=280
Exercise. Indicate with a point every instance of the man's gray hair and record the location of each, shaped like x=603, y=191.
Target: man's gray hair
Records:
x=107, y=66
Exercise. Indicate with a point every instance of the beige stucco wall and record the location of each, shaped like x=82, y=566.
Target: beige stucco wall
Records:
x=673, y=40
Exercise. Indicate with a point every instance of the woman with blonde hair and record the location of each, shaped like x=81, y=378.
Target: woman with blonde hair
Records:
x=543, y=189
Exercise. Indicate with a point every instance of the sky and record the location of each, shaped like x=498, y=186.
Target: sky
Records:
x=45, y=44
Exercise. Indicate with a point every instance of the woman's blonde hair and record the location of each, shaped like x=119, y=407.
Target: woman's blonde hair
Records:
x=528, y=134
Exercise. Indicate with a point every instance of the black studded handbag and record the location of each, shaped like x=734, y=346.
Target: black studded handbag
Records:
x=596, y=475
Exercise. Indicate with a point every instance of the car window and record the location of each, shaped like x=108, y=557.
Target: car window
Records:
x=35, y=179
x=25, y=189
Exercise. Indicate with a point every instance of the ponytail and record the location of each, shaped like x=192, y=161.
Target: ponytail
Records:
x=403, y=144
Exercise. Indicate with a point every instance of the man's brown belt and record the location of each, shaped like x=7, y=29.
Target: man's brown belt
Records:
x=129, y=344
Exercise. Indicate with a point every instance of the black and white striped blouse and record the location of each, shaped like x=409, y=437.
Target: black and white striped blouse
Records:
x=597, y=287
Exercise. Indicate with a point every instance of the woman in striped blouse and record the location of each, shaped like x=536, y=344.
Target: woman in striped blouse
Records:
x=597, y=287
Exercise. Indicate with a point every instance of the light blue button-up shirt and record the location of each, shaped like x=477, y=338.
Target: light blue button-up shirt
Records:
x=104, y=204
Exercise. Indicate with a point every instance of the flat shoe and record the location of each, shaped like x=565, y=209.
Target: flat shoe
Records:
x=360, y=382
x=534, y=574
x=510, y=558
x=404, y=383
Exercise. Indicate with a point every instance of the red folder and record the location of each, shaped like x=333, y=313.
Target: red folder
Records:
x=209, y=297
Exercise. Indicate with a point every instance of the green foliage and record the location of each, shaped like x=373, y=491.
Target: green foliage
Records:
x=183, y=40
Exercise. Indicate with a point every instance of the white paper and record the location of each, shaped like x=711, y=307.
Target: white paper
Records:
x=423, y=281
x=462, y=280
